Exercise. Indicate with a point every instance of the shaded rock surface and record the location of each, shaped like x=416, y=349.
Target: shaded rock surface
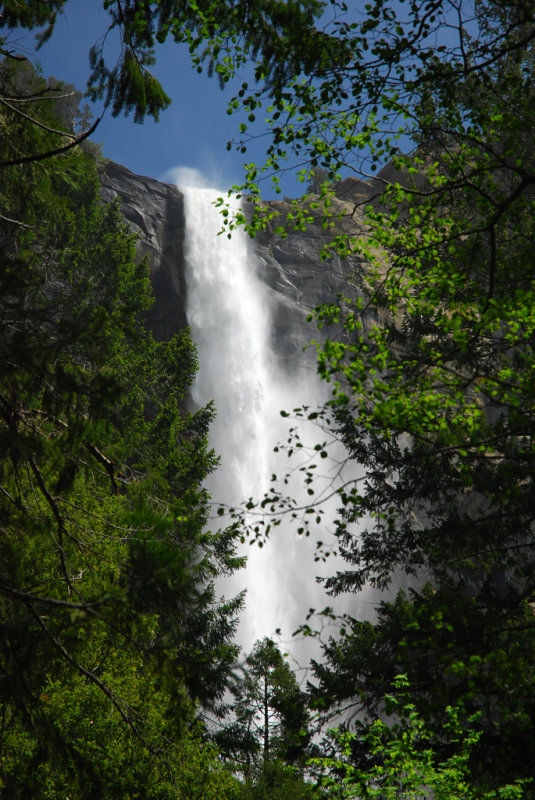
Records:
x=154, y=211
x=298, y=280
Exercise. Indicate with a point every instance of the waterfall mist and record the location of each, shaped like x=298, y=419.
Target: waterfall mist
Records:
x=229, y=315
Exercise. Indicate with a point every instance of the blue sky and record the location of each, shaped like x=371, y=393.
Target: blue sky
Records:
x=192, y=133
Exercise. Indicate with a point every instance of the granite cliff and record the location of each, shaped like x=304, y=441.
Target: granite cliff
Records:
x=154, y=211
x=295, y=276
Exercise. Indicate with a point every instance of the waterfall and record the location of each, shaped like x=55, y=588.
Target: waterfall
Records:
x=228, y=312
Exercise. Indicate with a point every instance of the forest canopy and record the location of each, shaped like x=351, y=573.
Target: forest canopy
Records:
x=111, y=631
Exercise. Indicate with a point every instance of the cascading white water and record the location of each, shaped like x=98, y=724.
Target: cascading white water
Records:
x=229, y=315
x=229, y=320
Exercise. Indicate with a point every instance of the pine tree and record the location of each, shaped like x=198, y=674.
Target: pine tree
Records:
x=268, y=734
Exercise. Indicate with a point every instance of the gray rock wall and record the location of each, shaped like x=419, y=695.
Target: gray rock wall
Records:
x=296, y=277
x=298, y=280
x=155, y=212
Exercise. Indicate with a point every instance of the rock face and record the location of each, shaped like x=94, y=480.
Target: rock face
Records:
x=296, y=277
x=155, y=212
x=298, y=280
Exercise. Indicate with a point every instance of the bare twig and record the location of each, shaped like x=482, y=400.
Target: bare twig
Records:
x=49, y=153
x=34, y=121
x=59, y=519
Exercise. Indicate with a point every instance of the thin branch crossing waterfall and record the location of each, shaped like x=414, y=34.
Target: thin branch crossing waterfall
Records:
x=229, y=315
